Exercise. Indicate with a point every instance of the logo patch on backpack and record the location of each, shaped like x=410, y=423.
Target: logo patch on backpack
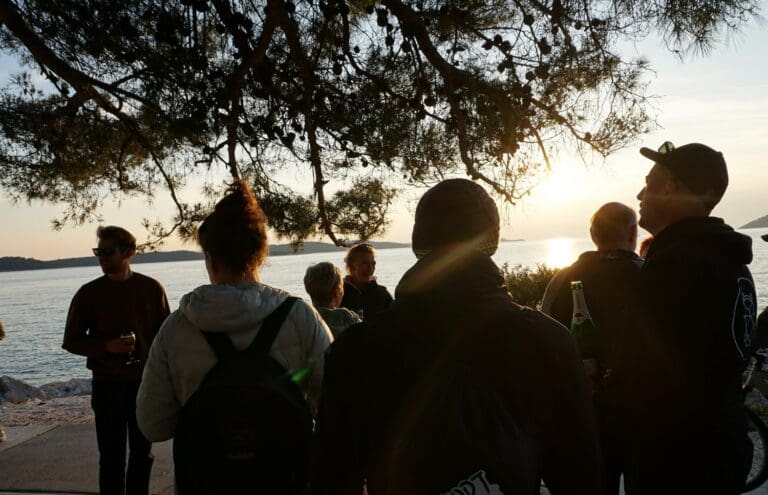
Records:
x=476, y=484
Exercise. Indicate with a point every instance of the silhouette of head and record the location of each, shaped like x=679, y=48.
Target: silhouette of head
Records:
x=698, y=167
x=235, y=233
x=614, y=226
x=456, y=213
x=323, y=283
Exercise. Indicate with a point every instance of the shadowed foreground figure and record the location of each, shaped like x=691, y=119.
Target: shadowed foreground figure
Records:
x=690, y=433
x=455, y=385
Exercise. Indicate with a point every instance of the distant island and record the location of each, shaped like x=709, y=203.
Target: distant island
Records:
x=761, y=222
x=17, y=263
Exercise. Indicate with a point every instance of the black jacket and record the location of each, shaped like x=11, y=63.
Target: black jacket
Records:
x=372, y=298
x=454, y=329
x=700, y=321
x=610, y=280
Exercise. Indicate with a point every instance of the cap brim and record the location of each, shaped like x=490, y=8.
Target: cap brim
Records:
x=651, y=154
x=765, y=237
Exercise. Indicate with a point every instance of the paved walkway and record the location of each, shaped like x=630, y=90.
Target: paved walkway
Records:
x=64, y=460
x=58, y=460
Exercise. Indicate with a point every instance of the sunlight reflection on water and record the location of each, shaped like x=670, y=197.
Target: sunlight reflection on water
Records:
x=33, y=304
x=561, y=252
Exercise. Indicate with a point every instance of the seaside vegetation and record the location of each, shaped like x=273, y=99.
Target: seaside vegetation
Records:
x=327, y=107
x=527, y=284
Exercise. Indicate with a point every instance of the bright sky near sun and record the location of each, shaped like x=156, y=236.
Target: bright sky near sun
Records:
x=720, y=99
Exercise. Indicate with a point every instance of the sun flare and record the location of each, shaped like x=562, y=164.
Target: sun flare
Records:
x=560, y=252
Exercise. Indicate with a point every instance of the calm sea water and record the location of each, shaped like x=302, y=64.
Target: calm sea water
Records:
x=33, y=304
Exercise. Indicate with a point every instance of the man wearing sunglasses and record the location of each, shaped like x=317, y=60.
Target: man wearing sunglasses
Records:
x=112, y=321
x=695, y=341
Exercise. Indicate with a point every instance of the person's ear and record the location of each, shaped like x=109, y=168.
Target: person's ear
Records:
x=633, y=237
x=128, y=252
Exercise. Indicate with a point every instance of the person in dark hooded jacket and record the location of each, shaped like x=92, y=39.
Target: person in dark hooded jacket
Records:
x=610, y=277
x=455, y=387
x=690, y=430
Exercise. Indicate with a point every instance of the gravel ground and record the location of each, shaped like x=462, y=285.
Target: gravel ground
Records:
x=64, y=410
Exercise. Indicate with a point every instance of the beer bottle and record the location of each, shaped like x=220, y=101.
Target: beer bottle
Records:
x=584, y=330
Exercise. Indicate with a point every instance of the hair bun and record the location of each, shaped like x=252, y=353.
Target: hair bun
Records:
x=235, y=233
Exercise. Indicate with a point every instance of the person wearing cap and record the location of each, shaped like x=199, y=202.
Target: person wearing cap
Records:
x=455, y=386
x=610, y=276
x=689, y=425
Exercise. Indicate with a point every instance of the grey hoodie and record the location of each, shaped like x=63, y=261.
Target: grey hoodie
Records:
x=180, y=356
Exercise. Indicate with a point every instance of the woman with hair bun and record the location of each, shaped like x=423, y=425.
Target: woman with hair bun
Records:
x=235, y=304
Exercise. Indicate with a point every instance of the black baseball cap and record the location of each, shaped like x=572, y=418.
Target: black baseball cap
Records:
x=697, y=166
x=765, y=237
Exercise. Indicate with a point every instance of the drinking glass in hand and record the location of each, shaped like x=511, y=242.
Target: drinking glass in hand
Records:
x=131, y=360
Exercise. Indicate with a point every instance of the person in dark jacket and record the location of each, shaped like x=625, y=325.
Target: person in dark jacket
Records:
x=455, y=385
x=610, y=277
x=113, y=321
x=690, y=436
x=362, y=294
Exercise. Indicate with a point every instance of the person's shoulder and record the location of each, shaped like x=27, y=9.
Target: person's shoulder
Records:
x=521, y=325
x=349, y=345
x=140, y=278
x=346, y=312
x=304, y=316
x=93, y=286
x=376, y=287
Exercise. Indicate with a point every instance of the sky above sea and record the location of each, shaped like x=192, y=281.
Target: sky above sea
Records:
x=719, y=98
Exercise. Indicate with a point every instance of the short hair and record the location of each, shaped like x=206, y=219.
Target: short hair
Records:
x=320, y=281
x=358, y=250
x=611, y=223
x=124, y=239
x=235, y=234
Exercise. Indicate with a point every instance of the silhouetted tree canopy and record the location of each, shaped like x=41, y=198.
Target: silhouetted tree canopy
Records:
x=368, y=96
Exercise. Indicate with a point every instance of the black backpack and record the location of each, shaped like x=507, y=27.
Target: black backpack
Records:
x=247, y=425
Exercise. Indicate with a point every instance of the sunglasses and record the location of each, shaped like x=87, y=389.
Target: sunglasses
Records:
x=104, y=251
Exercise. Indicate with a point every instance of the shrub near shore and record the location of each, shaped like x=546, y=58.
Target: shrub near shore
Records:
x=526, y=284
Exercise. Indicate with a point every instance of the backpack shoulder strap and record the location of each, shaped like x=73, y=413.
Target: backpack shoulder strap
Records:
x=220, y=344
x=271, y=326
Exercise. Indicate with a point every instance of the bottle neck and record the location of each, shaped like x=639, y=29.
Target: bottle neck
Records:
x=580, y=311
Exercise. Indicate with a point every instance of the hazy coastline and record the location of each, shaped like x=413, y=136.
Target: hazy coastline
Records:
x=19, y=263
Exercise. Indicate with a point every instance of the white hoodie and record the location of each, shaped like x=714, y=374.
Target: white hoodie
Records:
x=180, y=356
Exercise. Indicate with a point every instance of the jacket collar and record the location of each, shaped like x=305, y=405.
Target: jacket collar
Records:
x=467, y=276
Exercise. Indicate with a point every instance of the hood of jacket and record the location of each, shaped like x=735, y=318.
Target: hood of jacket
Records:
x=707, y=233
x=230, y=308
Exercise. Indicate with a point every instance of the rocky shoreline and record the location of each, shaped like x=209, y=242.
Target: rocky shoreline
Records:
x=22, y=404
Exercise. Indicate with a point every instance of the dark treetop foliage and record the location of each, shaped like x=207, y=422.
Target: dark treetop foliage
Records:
x=142, y=94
